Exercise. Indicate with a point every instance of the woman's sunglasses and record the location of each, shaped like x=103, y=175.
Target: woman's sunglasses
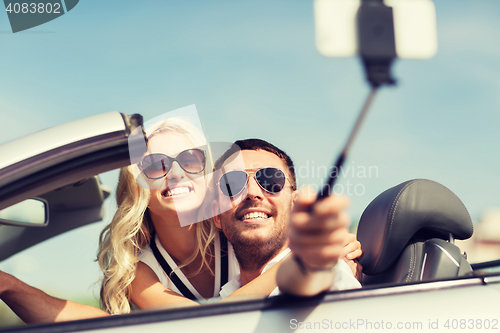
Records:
x=271, y=180
x=156, y=166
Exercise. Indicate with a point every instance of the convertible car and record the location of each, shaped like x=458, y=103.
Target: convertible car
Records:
x=416, y=278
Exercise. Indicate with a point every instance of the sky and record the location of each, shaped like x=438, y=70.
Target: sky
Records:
x=252, y=70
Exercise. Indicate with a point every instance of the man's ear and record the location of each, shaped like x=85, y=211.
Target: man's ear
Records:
x=216, y=214
x=295, y=195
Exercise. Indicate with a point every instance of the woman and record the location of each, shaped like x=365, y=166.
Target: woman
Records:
x=151, y=201
x=171, y=192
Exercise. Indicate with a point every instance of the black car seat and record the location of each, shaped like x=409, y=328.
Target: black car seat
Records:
x=407, y=234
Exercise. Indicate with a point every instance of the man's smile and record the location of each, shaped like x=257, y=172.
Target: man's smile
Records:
x=255, y=214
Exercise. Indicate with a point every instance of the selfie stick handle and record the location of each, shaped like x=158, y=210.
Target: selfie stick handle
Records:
x=326, y=190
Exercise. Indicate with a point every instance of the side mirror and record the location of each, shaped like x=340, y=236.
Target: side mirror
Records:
x=28, y=213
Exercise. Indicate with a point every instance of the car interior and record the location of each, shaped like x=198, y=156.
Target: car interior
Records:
x=407, y=234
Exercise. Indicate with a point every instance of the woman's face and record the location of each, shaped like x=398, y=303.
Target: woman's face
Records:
x=179, y=192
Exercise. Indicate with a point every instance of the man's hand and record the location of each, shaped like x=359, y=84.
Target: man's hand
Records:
x=318, y=236
x=318, y=231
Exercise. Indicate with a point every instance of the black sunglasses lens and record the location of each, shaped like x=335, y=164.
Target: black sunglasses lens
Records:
x=271, y=179
x=192, y=160
x=155, y=166
x=233, y=182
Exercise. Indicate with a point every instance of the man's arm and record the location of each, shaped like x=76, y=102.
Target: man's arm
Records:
x=34, y=306
x=317, y=237
x=148, y=292
x=264, y=284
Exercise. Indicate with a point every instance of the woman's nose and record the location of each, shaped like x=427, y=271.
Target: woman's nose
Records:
x=175, y=172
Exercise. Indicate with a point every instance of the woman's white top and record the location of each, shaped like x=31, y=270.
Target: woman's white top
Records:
x=146, y=256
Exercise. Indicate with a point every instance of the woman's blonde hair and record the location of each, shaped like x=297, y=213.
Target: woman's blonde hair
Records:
x=131, y=228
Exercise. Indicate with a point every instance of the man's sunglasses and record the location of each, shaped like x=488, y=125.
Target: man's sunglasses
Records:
x=156, y=166
x=271, y=180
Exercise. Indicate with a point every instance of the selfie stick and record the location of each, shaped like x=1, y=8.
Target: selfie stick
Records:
x=377, y=50
x=328, y=187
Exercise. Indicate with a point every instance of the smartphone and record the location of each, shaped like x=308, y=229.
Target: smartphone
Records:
x=415, y=29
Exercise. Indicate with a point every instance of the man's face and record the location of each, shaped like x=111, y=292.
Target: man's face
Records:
x=257, y=220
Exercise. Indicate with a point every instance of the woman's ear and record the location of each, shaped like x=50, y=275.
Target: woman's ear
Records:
x=216, y=214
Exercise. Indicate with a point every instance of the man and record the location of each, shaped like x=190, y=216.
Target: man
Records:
x=256, y=210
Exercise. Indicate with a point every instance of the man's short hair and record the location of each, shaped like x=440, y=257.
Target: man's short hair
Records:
x=258, y=144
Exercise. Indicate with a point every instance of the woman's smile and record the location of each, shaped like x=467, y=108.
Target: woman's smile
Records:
x=177, y=192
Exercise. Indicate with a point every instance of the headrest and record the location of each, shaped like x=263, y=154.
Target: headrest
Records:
x=418, y=209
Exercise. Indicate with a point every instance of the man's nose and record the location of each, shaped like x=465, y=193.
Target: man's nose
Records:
x=254, y=190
